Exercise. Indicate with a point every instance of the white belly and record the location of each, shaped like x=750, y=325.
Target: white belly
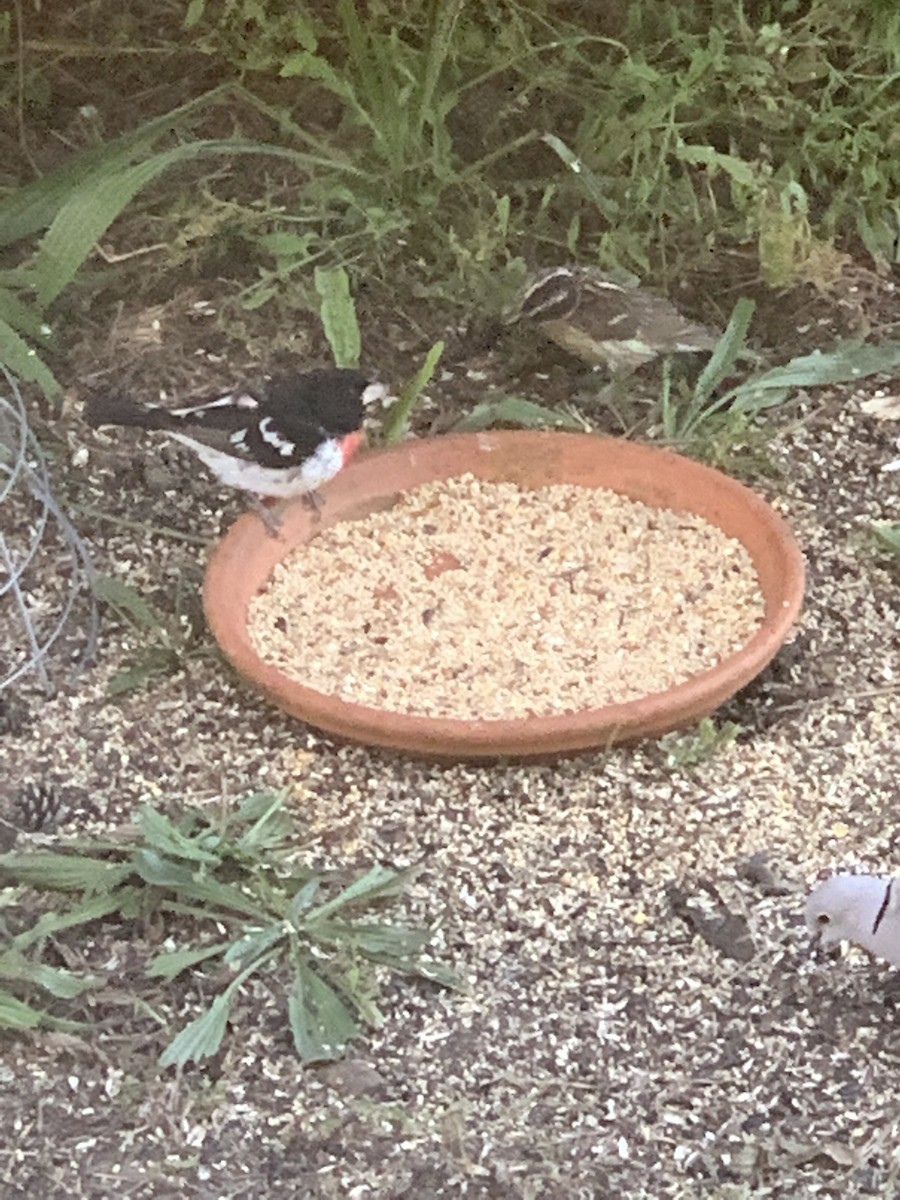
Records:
x=280, y=483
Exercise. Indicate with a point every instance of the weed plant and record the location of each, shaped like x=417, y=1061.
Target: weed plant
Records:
x=233, y=889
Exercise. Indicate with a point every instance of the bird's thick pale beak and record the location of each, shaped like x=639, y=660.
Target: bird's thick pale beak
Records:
x=820, y=945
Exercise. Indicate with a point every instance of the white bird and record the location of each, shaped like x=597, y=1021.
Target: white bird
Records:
x=863, y=909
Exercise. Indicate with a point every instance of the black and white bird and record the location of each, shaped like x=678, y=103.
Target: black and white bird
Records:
x=282, y=440
x=604, y=323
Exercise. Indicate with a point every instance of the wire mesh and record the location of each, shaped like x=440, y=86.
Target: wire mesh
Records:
x=48, y=614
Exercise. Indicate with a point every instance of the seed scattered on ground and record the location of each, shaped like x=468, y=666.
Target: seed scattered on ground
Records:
x=473, y=599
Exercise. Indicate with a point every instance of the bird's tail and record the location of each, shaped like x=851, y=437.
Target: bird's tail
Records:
x=104, y=409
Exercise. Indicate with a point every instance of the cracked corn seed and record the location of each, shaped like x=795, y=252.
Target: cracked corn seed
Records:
x=471, y=599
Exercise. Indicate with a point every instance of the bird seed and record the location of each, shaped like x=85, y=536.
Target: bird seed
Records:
x=477, y=600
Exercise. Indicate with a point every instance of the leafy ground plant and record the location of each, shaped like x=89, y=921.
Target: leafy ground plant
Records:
x=690, y=416
x=237, y=897
x=165, y=641
x=686, y=750
x=886, y=535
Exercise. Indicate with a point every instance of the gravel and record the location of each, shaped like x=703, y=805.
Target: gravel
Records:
x=606, y=1045
x=473, y=599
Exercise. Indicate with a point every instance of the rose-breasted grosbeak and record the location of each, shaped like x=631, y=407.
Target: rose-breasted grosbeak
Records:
x=606, y=324
x=282, y=440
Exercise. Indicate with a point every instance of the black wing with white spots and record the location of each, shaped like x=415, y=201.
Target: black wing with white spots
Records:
x=278, y=425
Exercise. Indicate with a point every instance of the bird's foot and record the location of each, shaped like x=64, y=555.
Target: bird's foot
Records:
x=315, y=502
x=270, y=517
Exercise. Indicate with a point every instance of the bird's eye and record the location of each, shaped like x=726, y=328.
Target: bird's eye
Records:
x=823, y=919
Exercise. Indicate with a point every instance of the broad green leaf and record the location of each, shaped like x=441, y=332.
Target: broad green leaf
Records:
x=128, y=603
x=23, y=360
x=45, y=870
x=397, y=423
x=202, y=1037
x=435, y=972
x=181, y=880
x=31, y=208
x=15, y=1014
x=726, y=351
x=169, y=964
x=303, y=899
x=387, y=941
x=338, y=315
x=287, y=246
x=149, y=664
x=224, y=896
x=91, y=910
x=153, y=868
x=737, y=169
x=377, y=882
x=254, y=943
x=194, y=13
x=313, y=66
x=55, y=980
x=844, y=364
x=165, y=837
x=321, y=1023
x=513, y=410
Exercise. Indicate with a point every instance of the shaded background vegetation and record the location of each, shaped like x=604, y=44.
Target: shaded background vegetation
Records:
x=435, y=149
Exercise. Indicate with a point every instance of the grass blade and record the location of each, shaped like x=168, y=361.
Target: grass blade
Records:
x=592, y=184
x=846, y=363
x=15, y=1014
x=397, y=424
x=31, y=208
x=726, y=351
x=23, y=360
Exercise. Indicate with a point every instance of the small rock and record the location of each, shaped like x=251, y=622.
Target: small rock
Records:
x=353, y=1077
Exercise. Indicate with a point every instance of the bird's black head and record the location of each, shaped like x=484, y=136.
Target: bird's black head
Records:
x=332, y=398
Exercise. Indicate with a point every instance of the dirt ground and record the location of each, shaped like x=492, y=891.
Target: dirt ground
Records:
x=607, y=1043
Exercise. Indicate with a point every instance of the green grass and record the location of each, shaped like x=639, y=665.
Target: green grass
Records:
x=432, y=149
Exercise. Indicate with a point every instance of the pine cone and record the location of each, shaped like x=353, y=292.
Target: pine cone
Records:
x=37, y=807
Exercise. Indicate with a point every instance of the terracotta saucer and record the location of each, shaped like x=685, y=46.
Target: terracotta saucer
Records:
x=245, y=558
